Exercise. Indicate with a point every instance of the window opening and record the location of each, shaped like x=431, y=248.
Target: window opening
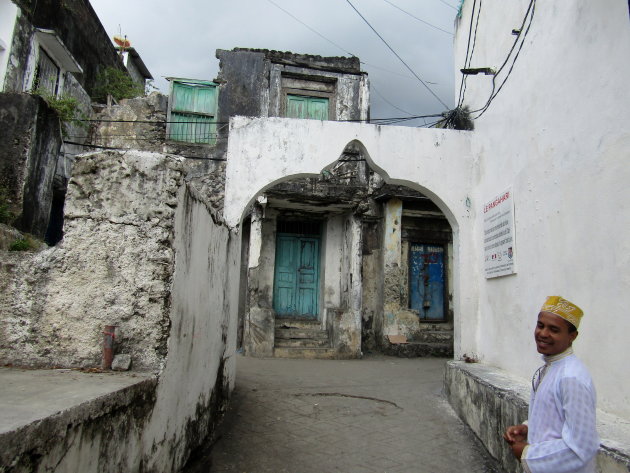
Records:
x=302, y=106
x=193, y=112
x=46, y=74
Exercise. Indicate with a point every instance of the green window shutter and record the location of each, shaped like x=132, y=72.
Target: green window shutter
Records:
x=301, y=106
x=317, y=108
x=192, y=128
x=296, y=106
x=193, y=113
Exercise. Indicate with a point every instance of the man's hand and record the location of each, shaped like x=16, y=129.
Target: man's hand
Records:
x=516, y=433
x=516, y=437
x=517, y=448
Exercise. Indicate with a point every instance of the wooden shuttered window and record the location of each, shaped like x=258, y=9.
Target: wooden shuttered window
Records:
x=193, y=112
x=302, y=106
x=46, y=74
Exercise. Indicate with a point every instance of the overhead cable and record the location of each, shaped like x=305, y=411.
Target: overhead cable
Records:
x=449, y=5
x=387, y=101
x=396, y=54
x=112, y=148
x=312, y=29
x=469, y=52
x=522, y=33
x=419, y=19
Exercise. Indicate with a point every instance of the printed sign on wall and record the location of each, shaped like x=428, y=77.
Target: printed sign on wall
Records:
x=498, y=235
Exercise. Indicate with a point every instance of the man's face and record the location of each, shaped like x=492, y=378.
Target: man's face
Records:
x=552, y=334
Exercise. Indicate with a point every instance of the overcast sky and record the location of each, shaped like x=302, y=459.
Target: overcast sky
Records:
x=179, y=39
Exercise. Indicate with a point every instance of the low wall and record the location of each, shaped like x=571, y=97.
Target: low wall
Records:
x=489, y=400
x=72, y=421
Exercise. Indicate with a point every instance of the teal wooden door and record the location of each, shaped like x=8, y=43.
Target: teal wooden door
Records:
x=296, y=279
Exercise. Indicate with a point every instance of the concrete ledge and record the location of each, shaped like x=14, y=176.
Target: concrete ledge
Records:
x=50, y=417
x=418, y=349
x=489, y=400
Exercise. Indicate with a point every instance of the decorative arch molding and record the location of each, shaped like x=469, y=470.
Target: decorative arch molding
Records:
x=265, y=152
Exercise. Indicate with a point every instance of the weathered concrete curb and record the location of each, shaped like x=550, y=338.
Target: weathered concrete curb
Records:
x=106, y=424
x=489, y=400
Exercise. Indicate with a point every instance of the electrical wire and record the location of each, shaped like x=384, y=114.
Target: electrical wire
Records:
x=111, y=148
x=449, y=5
x=396, y=73
x=468, y=59
x=521, y=36
x=396, y=54
x=345, y=50
x=419, y=19
x=387, y=101
x=312, y=29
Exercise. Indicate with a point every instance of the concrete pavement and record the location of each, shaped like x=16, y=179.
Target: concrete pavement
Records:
x=379, y=414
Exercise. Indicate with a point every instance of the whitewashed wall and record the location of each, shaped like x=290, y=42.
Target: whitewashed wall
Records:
x=558, y=134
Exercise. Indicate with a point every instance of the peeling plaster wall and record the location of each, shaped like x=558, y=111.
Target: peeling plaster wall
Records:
x=558, y=135
x=392, y=257
x=349, y=96
x=259, y=327
x=340, y=283
x=332, y=263
x=194, y=386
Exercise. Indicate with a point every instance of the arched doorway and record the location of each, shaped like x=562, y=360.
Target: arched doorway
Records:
x=344, y=262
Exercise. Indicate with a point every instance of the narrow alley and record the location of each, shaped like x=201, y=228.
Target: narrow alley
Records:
x=379, y=414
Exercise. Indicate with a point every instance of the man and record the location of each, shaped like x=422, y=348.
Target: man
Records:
x=560, y=435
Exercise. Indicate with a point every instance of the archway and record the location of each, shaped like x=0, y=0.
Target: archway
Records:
x=344, y=262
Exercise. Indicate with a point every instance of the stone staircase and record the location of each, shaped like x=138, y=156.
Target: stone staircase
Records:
x=301, y=339
x=429, y=343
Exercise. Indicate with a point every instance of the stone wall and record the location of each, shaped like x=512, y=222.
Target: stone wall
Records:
x=113, y=267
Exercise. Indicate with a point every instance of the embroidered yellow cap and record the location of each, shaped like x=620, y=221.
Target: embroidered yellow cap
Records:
x=563, y=308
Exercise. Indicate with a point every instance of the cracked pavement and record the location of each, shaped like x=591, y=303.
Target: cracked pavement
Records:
x=379, y=414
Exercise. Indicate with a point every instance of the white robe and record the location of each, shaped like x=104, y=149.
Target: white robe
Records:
x=562, y=434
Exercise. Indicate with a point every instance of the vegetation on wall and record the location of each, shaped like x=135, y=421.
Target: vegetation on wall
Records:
x=66, y=108
x=117, y=83
x=22, y=244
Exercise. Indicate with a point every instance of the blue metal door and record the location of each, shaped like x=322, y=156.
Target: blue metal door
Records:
x=426, y=281
x=296, y=279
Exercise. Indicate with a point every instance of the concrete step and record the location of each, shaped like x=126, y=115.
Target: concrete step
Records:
x=416, y=349
x=290, y=333
x=433, y=336
x=307, y=353
x=298, y=323
x=301, y=343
